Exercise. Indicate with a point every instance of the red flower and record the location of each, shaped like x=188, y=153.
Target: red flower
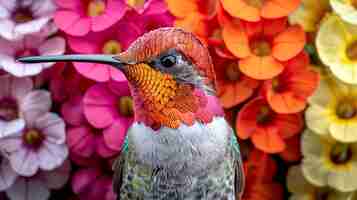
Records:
x=267, y=128
x=233, y=86
x=288, y=92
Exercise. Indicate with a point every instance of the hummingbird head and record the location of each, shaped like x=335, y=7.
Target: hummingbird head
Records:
x=170, y=74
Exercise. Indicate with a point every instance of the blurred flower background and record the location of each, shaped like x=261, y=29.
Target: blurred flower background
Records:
x=286, y=74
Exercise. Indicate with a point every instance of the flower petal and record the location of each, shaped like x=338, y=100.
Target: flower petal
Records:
x=268, y=140
x=28, y=189
x=72, y=111
x=57, y=178
x=289, y=43
x=279, y=8
x=261, y=68
x=81, y=141
x=72, y=23
x=236, y=40
x=317, y=119
x=7, y=174
x=344, y=131
x=114, y=136
x=240, y=9
x=51, y=156
x=52, y=126
x=24, y=162
x=35, y=104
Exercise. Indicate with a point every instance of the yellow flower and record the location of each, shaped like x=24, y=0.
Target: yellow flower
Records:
x=328, y=163
x=336, y=44
x=333, y=110
x=346, y=9
x=301, y=189
x=310, y=13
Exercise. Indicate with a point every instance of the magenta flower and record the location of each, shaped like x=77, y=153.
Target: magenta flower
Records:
x=112, y=100
x=93, y=183
x=29, y=45
x=20, y=17
x=83, y=140
x=37, y=187
x=17, y=97
x=79, y=17
x=66, y=82
x=111, y=41
x=40, y=145
x=7, y=174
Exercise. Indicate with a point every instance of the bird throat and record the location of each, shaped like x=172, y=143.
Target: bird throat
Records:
x=161, y=101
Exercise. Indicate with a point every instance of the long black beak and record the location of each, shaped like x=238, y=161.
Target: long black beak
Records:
x=96, y=58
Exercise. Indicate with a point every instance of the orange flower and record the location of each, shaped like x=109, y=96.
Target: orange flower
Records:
x=194, y=15
x=233, y=86
x=292, y=153
x=254, y=10
x=267, y=128
x=288, y=92
x=263, y=46
x=260, y=169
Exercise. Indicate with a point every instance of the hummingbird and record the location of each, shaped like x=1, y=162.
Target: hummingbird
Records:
x=180, y=147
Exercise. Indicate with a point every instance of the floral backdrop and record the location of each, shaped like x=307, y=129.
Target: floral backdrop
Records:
x=286, y=73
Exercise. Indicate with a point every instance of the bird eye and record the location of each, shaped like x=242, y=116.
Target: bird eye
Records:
x=168, y=61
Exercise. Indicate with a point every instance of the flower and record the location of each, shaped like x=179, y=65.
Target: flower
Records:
x=346, y=9
x=330, y=163
x=233, y=86
x=301, y=189
x=288, y=92
x=93, y=183
x=260, y=169
x=83, y=140
x=40, y=145
x=38, y=187
x=79, y=17
x=114, y=103
x=255, y=10
x=33, y=45
x=16, y=98
x=333, y=110
x=66, y=82
x=193, y=15
x=111, y=41
x=337, y=46
x=19, y=17
x=8, y=175
x=262, y=46
x=309, y=14
x=267, y=128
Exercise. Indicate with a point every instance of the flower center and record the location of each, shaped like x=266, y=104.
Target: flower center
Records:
x=136, y=3
x=277, y=85
x=96, y=8
x=261, y=48
x=125, y=106
x=351, y=51
x=340, y=153
x=112, y=47
x=265, y=115
x=8, y=109
x=33, y=138
x=232, y=71
x=346, y=110
x=255, y=3
x=22, y=15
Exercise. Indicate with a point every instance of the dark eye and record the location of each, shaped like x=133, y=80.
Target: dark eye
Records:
x=168, y=61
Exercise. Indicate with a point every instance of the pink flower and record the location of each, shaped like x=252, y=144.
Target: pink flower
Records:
x=29, y=45
x=40, y=145
x=83, y=140
x=20, y=17
x=93, y=183
x=112, y=100
x=79, y=17
x=65, y=82
x=37, y=187
x=110, y=41
x=17, y=97
x=7, y=174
